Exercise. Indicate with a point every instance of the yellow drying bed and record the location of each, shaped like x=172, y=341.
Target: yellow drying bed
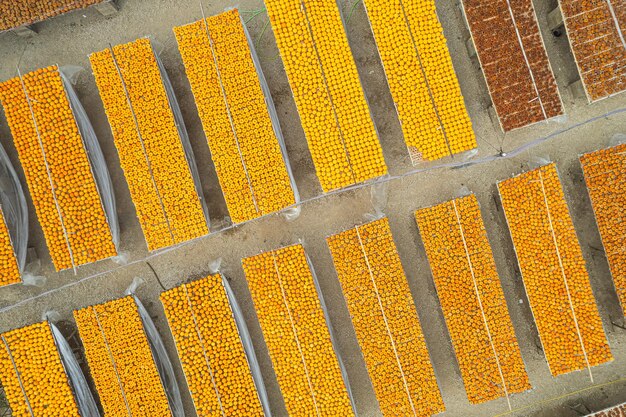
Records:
x=605, y=175
x=9, y=269
x=57, y=169
x=296, y=333
x=149, y=144
x=385, y=320
x=553, y=270
x=421, y=77
x=323, y=76
x=243, y=139
x=210, y=349
x=120, y=360
x=32, y=374
x=472, y=300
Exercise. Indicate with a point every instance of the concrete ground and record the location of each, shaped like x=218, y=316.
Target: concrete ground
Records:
x=68, y=40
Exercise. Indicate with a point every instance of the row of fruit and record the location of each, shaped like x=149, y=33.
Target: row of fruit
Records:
x=327, y=91
x=149, y=144
x=472, y=299
x=296, y=333
x=57, y=168
x=242, y=137
x=120, y=360
x=606, y=183
x=218, y=374
x=553, y=271
x=385, y=320
x=9, y=269
x=514, y=61
x=421, y=77
x=16, y=13
x=32, y=374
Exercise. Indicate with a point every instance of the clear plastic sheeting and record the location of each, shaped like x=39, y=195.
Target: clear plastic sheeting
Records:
x=617, y=139
x=342, y=366
x=94, y=153
x=184, y=136
x=83, y=395
x=159, y=353
x=14, y=208
x=248, y=347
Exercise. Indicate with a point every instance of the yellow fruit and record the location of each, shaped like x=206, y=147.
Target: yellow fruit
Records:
x=296, y=333
x=148, y=143
x=57, y=169
x=553, y=270
x=385, y=320
x=421, y=77
x=472, y=300
x=326, y=87
x=32, y=374
x=120, y=359
x=234, y=114
x=209, y=347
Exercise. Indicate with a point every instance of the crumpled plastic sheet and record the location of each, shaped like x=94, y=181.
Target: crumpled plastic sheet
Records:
x=13, y=203
x=184, y=137
x=84, y=398
x=159, y=353
x=94, y=152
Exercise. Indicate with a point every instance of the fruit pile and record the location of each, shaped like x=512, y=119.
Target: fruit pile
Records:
x=519, y=77
x=149, y=146
x=296, y=333
x=385, y=320
x=32, y=374
x=553, y=270
x=235, y=117
x=605, y=175
x=57, y=169
x=617, y=411
x=421, y=77
x=9, y=270
x=328, y=94
x=472, y=300
x=209, y=347
x=17, y=13
x=120, y=359
x=595, y=35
